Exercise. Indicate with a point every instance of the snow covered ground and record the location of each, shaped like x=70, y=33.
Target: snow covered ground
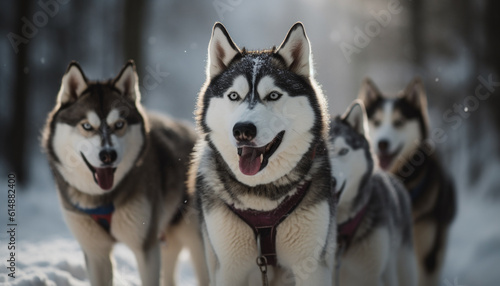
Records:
x=47, y=254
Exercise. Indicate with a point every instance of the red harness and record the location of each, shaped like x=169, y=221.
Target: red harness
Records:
x=265, y=223
x=347, y=230
x=102, y=215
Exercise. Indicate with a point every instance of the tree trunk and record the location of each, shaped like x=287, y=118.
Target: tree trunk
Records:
x=492, y=55
x=416, y=30
x=132, y=31
x=16, y=152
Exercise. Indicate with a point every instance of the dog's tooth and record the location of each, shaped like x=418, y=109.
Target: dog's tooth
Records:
x=261, y=157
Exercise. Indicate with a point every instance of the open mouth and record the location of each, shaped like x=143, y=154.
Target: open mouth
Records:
x=385, y=159
x=102, y=176
x=254, y=159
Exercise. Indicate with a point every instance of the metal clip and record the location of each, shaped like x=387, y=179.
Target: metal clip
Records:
x=262, y=263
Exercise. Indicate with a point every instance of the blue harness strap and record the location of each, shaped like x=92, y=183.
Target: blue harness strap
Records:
x=102, y=215
x=418, y=190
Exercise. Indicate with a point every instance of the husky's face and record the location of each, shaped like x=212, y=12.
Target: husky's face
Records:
x=97, y=131
x=397, y=125
x=260, y=110
x=350, y=153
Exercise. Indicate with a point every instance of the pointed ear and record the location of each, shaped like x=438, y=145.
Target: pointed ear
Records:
x=73, y=84
x=221, y=50
x=355, y=116
x=296, y=51
x=415, y=94
x=127, y=82
x=369, y=92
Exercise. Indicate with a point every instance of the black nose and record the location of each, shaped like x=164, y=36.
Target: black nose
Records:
x=107, y=156
x=244, y=131
x=383, y=145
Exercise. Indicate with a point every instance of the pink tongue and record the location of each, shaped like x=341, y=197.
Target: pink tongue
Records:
x=104, y=177
x=250, y=160
x=385, y=161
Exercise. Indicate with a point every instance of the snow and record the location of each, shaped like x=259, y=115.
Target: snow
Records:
x=46, y=252
x=60, y=262
x=474, y=240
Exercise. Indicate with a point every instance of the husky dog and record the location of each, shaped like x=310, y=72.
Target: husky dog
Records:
x=374, y=212
x=120, y=174
x=261, y=169
x=399, y=129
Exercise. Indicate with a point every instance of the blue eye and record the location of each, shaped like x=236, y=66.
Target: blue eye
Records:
x=233, y=96
x=119, y=125
x=343, y=151
x=87, y=126
x=273, y=96
x=398, y=123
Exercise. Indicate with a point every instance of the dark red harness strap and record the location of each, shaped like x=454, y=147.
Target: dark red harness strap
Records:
x=347, y=230
x=265, y=223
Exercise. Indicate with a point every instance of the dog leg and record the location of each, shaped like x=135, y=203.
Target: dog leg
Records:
x=148, y=262
x=234, y=263
x=99, y=268
x=407, y=267
x=211, y=259
x=390, y=273
x=424, y=234
x=322, y=275
x=96, y=244
x=234, y=247
x=195, y=246
x=169, y=257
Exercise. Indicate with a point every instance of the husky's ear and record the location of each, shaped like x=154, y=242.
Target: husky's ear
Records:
x=369, y=92
x=355, y=116
x=127, y=82
x=73, y=84
x=221, y=50
x=296, y=50
x=414, y=93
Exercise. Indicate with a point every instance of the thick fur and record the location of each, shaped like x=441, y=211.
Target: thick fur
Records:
x=274, y=90
x=402, y=122
x=148, y=191
x=381, y=250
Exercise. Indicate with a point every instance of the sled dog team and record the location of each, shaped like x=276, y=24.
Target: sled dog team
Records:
x=269, y=191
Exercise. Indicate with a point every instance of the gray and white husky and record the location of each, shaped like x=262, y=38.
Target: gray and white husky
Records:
x=261, y=169
x=120, y=173
x=374, y=212
x=399, y=129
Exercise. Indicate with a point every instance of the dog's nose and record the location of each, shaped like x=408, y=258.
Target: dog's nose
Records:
x=244, y=131
x=383, y=145
x=108, y=156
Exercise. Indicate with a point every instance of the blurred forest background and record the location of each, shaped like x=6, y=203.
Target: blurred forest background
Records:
x=453, y=45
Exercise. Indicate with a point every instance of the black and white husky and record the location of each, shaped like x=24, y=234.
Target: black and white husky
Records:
x=374, y=212
x=120, y=172
x=399, y=130
x=261, y=169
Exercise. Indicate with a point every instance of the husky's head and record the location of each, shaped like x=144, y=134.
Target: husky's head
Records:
x=397, y=124
x=350, y=153
x=261, y=110
x=96, y=132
